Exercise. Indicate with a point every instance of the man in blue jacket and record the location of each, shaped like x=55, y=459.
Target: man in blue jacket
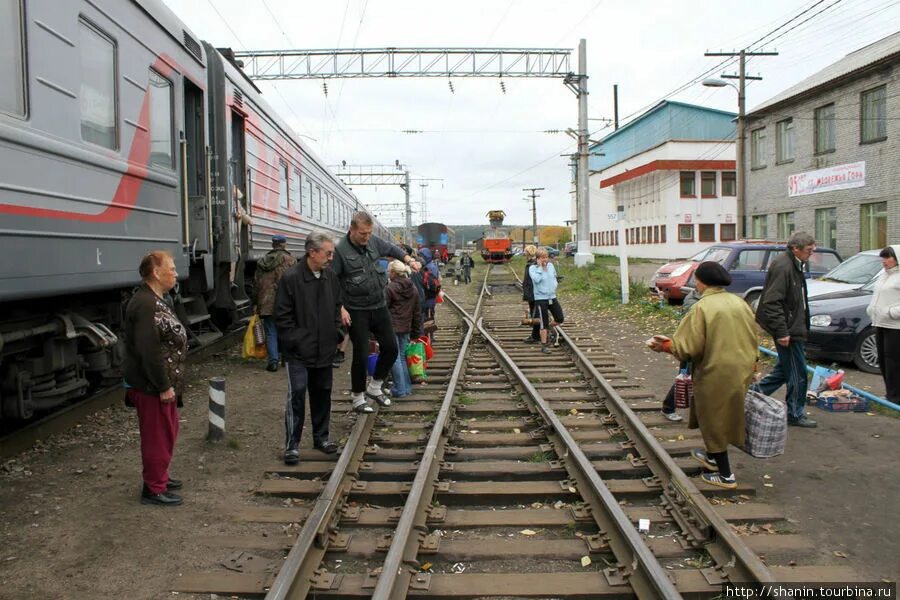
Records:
x=543, y=278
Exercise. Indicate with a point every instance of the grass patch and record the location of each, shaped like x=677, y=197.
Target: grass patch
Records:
x=466, y=399
x=540, y=457
x=233, y=443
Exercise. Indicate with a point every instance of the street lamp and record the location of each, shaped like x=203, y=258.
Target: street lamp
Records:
x=739, y=152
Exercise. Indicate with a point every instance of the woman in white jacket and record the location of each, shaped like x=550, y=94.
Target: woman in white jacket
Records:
x=884, y=310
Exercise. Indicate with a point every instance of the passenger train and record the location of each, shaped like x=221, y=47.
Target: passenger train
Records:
x=436, y=237
x=120, y=133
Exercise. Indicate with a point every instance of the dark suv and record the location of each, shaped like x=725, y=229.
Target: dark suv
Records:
x=747, y=263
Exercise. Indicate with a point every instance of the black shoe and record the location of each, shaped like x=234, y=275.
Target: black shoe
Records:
x=803, y=421
x=546, y=350
x=292, y=456
x=328, y=447
x=339, y=357
x=173, y=484
x=272, y=366
x=530, y=340
x=163, y=499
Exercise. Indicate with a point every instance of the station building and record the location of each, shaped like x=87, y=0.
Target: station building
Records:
x=673, y=171
x=824, y=155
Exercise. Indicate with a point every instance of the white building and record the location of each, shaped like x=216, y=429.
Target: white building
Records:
x=673, y=171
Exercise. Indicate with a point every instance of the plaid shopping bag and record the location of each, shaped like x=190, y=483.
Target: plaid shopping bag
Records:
x=766, y=420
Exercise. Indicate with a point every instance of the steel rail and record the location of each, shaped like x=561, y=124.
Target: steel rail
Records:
x=637, y=564
x=394, y=581
x=731, y=555
x=294, y=580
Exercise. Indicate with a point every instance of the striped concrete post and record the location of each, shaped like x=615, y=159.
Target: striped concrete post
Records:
x=216, y=408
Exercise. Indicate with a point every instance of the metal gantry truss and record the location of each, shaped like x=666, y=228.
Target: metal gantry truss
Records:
x=405, y=62
x=396, y=174
x=263, y=65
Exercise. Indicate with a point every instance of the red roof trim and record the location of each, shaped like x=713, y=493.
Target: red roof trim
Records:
x=669, y=165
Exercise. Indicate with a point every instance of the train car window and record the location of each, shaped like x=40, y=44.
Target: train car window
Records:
x=12, y=58
x=306, y=195
x=295, y=191
x=283, y=198
x=317, y=204
x=98, y=87
x=160, y=120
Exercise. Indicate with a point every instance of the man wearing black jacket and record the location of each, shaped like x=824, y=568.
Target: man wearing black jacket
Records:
x=363, y=281
x=308, y=317
x=784, y=313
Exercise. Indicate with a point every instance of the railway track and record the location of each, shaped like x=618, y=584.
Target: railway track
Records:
x=513, y=474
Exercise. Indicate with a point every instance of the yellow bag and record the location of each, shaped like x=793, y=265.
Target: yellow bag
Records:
x=250, y=348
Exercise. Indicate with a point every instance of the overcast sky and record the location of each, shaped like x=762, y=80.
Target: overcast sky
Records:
x=486, y=145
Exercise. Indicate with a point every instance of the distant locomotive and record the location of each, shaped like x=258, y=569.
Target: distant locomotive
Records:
x=436, y=236
x=496, y=245
x=121, y=133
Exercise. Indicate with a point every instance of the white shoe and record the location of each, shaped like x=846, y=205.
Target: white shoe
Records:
x=674, y=417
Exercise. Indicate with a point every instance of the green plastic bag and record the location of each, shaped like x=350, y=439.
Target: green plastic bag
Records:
x=415, y=360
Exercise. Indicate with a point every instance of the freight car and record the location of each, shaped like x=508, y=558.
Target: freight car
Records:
x=121, y=132
x=496, y=245
x=437, y=237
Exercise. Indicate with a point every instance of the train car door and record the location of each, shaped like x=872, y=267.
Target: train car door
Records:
x=240, y=181
x=198, y=225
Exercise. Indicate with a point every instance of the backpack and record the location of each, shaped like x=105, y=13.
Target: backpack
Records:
x=430, y=284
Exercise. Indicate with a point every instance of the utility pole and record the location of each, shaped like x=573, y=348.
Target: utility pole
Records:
x=742, y=78
x=535, y=239
x=583, y=254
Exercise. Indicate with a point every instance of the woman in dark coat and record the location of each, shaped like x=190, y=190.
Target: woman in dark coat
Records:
x=530, y=254
x=155, y=351
x=406, y=316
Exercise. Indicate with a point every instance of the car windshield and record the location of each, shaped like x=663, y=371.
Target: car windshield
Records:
x=719, y=255
x=700, y=256
x=857, y=269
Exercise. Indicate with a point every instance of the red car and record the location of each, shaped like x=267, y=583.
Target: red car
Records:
x=671, y=277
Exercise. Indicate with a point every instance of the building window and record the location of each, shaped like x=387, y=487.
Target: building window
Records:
x=758, y=148
x=688, y=184
x=707, y=232
x=662, y=234
x=656, y=234
x=160, y=120
x=785, y=225
x=729, y=183
x=826, y=226
x=760, y=227
x=12, y=58
x=873, y=115
x=824, y=121
x=873, y=226
x=685, y=233
x=708, y=184
x=98, y=88
x=784, y=137
x=727, y=232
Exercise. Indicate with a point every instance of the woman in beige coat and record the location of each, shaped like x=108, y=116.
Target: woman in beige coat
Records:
x=719, y=337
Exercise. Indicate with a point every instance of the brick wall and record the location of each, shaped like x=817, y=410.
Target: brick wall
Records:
x=767, y=188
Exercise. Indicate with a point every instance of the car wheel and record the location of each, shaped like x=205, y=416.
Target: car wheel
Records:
x=753, y=300
x=865, y=356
